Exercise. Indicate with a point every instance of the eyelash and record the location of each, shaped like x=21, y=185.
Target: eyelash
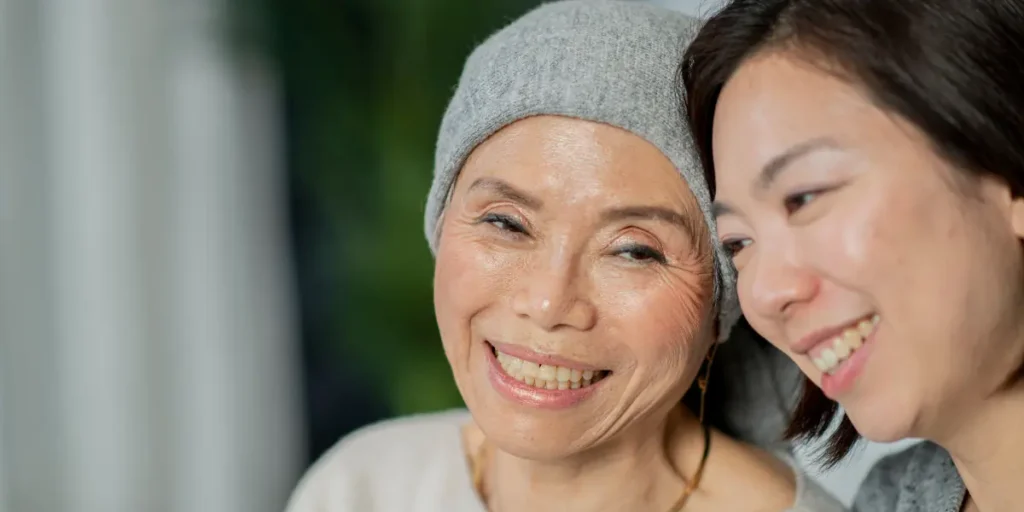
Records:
x=510, y=225
x=639, y=253
x=792, y=203
x=795, y=202
x=646, y=253
x=733, y=246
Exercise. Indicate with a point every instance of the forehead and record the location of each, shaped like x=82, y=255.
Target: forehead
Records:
x=579, y=160
x=782, y=97
x=778, y=100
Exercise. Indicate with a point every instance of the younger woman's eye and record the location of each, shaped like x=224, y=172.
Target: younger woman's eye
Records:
x=639, y=253
x=734, y=246
x=503, y=223
x=796, y=201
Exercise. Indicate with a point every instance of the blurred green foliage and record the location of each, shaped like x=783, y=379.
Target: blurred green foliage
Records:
x=366, y=83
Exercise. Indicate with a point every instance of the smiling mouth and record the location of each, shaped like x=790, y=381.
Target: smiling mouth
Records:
x=545, y=376
x=844, y=345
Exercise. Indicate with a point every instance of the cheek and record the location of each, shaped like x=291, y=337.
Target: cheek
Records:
x=910, y=256
x=467, y=280
x=850, y=249
x=866, y=243
x=663, y=320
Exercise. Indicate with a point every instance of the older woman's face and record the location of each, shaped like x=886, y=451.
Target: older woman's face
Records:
x=892, y=278
x=573, y=285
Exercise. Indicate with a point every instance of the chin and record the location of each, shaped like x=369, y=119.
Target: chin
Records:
x=532, y=448
x=528, y=434
x=882, y=422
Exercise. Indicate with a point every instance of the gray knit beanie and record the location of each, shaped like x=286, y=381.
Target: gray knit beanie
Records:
x=607, y=61
x=612, y=62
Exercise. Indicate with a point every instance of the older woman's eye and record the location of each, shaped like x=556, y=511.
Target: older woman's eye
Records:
x=503, y=222
x=641, y=254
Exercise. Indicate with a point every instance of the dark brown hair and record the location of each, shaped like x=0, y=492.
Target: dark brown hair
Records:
x=952, y=68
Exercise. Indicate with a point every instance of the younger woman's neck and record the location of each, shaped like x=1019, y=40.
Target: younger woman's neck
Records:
x=644, y=469
x=988, y=451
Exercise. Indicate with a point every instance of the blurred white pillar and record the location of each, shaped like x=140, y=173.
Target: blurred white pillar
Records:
x=233, y=299
x=5, y=56
x=147, y=358
x=29, y=415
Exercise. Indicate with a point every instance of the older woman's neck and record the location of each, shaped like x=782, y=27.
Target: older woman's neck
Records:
x=989, y=452
x=644, y=470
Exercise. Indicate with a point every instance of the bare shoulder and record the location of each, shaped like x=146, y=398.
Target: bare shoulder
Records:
x=767, y=481
x=367, y=465
x=769, y=484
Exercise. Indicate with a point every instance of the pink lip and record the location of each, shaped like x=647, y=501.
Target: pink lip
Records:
x=825, y=335
x=843, y=378
x=521, y=393
x=528, y=355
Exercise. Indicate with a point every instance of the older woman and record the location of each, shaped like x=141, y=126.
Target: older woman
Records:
x=577, y=296
x=870, y=188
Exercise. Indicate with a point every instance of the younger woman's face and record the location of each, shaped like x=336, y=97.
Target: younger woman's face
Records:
x=893, y=279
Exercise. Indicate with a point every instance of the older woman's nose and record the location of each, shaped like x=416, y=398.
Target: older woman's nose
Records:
x=779, y=283
x=553, y=296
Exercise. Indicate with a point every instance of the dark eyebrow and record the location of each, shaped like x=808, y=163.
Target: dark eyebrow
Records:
x=780, y=163
x=771, y=171
x=718, y=209
x=688, y=223
x=507, y=191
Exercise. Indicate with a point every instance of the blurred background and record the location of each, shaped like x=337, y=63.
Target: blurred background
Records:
x=211, y=254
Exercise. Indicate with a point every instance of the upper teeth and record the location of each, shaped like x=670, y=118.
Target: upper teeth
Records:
x=846, y=343
x=547, y=376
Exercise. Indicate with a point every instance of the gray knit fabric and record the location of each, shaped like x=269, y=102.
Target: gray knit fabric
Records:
x=612, y=62
x=921, y=478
